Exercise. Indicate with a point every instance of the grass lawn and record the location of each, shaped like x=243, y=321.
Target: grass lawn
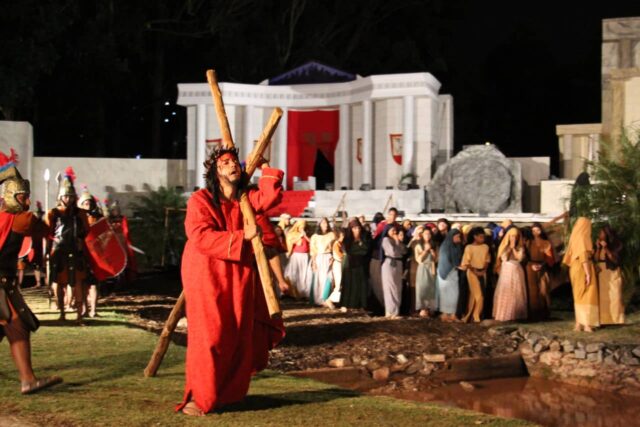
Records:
x=102, y=365
x=564, y=321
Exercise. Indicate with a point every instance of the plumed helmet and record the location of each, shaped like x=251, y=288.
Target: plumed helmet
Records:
x=84, y=196
x=114, y=209
x=66, y=185
x=12, y=183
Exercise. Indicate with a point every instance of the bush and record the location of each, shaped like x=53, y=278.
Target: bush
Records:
x=153, y=237
x=614, y=197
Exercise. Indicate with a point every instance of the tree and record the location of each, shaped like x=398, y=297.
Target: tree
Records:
x=614, y=197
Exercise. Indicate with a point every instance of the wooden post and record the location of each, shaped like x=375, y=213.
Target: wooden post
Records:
x=249, y=217
x=165, y=337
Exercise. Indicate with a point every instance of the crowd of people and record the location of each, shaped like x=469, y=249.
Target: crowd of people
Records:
x=458, y=273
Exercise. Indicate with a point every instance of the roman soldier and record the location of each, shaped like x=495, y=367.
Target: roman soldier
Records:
x=87, y=202
x=68, y=227
x=17, y=321
x=33, y=258
x=120, y=226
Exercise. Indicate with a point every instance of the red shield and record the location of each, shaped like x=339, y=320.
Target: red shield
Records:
x=27, y=244
x=106, y=254
x=396, y=147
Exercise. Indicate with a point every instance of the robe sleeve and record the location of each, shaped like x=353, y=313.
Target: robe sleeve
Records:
x=269, y=191
x=208, y=237
x=487, y=256
x=466, y=257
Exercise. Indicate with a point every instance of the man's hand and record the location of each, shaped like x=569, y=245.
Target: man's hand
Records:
x=251, y=231
x=284, y=287
x=588, y=279
x=263, y=163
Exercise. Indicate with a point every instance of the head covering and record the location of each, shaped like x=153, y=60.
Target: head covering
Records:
x=114, y=209
x=456, y=226
x=614, y=244
x=466, y=229
x=450, y=254
x=431, y=226
x=504, y=245
x=296, y=232
x=12, y=183
x=580, y=240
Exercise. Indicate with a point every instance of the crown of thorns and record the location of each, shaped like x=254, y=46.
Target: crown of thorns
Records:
x=218, y=152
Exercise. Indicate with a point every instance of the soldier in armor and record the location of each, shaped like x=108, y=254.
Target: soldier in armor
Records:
x=68, y=227
x=94, y=213
x=120, y=226
x=17, y=321
x=34, y=258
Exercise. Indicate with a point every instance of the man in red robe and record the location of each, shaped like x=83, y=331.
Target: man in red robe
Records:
x=230, y=331
x=16, y=319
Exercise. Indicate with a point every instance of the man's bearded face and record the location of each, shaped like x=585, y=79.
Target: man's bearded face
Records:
x=228, y=168
x=68, y=201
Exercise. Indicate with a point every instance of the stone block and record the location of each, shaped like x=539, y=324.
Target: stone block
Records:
x=595, y=357
x=555, y=346
x=550, y=357
x=434, y=358
x=568, y=346
x=594, y=347
x=478, y=179
x=381, y=374
x=584, y=372
x=540, y=346
x=338, y=362
x=636, y=352
x=580, y=354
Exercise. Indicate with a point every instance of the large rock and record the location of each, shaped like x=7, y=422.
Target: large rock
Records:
x=479, y=179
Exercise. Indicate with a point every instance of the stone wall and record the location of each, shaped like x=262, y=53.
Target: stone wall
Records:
x=610, y=367
x=620, y=75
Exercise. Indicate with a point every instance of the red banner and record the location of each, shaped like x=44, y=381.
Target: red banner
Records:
x=307, y=133
x=395, y=139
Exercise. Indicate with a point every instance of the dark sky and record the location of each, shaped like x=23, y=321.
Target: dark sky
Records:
x=515, y=69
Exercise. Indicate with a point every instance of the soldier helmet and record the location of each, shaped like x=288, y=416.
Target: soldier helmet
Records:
x=84, y=196
x=66, y=185
x=12, y=183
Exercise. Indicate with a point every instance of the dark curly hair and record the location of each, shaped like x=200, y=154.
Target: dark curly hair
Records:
x=211, y=174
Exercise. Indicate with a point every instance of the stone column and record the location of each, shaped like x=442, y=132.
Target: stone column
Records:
x=249, y=136
x=201, y=143
x=367, y=143
x=344, y=146
x=281, y=154
x=408, y=136
x=191, y=147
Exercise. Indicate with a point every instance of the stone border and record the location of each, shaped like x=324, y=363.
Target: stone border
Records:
x=609, y=367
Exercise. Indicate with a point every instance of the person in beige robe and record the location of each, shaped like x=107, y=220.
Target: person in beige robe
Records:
x=610, y=283
x=578, y=257
x=475, y=260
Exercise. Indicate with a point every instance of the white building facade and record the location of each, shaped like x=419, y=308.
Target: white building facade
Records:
x=388, y=126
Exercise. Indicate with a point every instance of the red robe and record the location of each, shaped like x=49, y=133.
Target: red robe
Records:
x=230, y=331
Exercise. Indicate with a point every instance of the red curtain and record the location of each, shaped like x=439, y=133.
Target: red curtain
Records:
x=308, y=132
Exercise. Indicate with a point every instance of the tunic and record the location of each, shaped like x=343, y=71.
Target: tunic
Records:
x=426, y=291
x=510, y=298
x=476, y=257
x=610, y=292
x=13, y=229
x=230, y=331
x=354, y=281
x=391, y=273
x=585, y=298
x=298, y=269
x=540, y=254
x=321, y=253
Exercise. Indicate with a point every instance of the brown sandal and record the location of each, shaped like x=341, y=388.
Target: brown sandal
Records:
x=40, y=384
x=192, y=409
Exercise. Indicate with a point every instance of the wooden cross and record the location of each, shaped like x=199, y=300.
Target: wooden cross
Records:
x=249, y=219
